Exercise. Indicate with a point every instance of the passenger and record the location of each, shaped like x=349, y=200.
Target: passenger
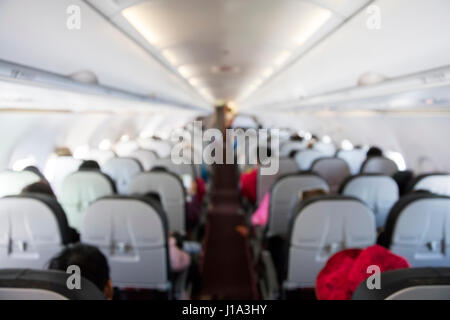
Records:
x=374, y=152
x=89, y=165
x=39, y=187
x=43, y=187
x=92, y=263
x=345, y=270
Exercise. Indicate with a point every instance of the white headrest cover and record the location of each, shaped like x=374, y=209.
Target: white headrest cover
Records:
x=79, y=190
x=438, y=184
x=12, y=182
x=122, y=171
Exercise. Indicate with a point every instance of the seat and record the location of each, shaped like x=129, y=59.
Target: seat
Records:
x=26, y=284
x=379, y=192
x=409, y=284
x=58, y=168
x=12, y=182
x=284, y=195
x=333, y=170
x=418, y=228
x=321, y=227
x=33, y=228
x=354, y=158
x=79, y=190
x=171, y=191
x=379, y=165
x=132, y=233
x=264, y=182
x=438, y=183
x=122, y=171
x=145, y=157
x=305, y=158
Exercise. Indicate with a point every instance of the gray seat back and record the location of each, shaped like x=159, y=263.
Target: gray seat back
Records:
x=284, y=196
x=305, y=158
x=418, y=228
x=145, y=157
x=33, y=228
x=25, y=284
x=160, y=147
x=170, y=189
x=379, y=165
x=434, y=183
x=333, y=170
x=265, y=182
x=122, y=171
x=355, y=158
x=12, y=182
x=79, y=190
x=132, y=234
x=409, y=284
x=322, y=227
x=378, y=192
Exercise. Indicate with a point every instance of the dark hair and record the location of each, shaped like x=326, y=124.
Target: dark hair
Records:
x=36, y=171
x=374, y=152
x=92, y=263
x=39, y=187
x=89, y=165
x=296, y=137
x=159, y=169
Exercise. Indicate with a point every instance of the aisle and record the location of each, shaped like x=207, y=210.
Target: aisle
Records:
x=227, y=271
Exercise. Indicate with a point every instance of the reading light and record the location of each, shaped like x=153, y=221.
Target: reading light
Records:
x=185, y=71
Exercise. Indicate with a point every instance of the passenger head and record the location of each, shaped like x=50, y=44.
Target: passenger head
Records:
x=309, y=194
x=63, y=152
x=159, y=169
x=374, y=152
x=296, y=137
x=89, y=165
x=40, y=187
x=92, y=263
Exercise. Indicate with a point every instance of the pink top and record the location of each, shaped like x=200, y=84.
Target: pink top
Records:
x=179, y=260
x=261, y=215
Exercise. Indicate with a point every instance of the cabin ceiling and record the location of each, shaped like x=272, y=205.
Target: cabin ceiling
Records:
x=227, y=48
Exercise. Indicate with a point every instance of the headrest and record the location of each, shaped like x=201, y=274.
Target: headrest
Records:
x=162, y=148
x=12, y=182
x=36, y=217
x=380, y=165
x=26, y=284
x=305, y=158
x=122, y=171
x=145, y=157
x=409, y=284
x=354, y=158
x=178, y=169
x=437, y=183
x=327, y=149
x=87, y=182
